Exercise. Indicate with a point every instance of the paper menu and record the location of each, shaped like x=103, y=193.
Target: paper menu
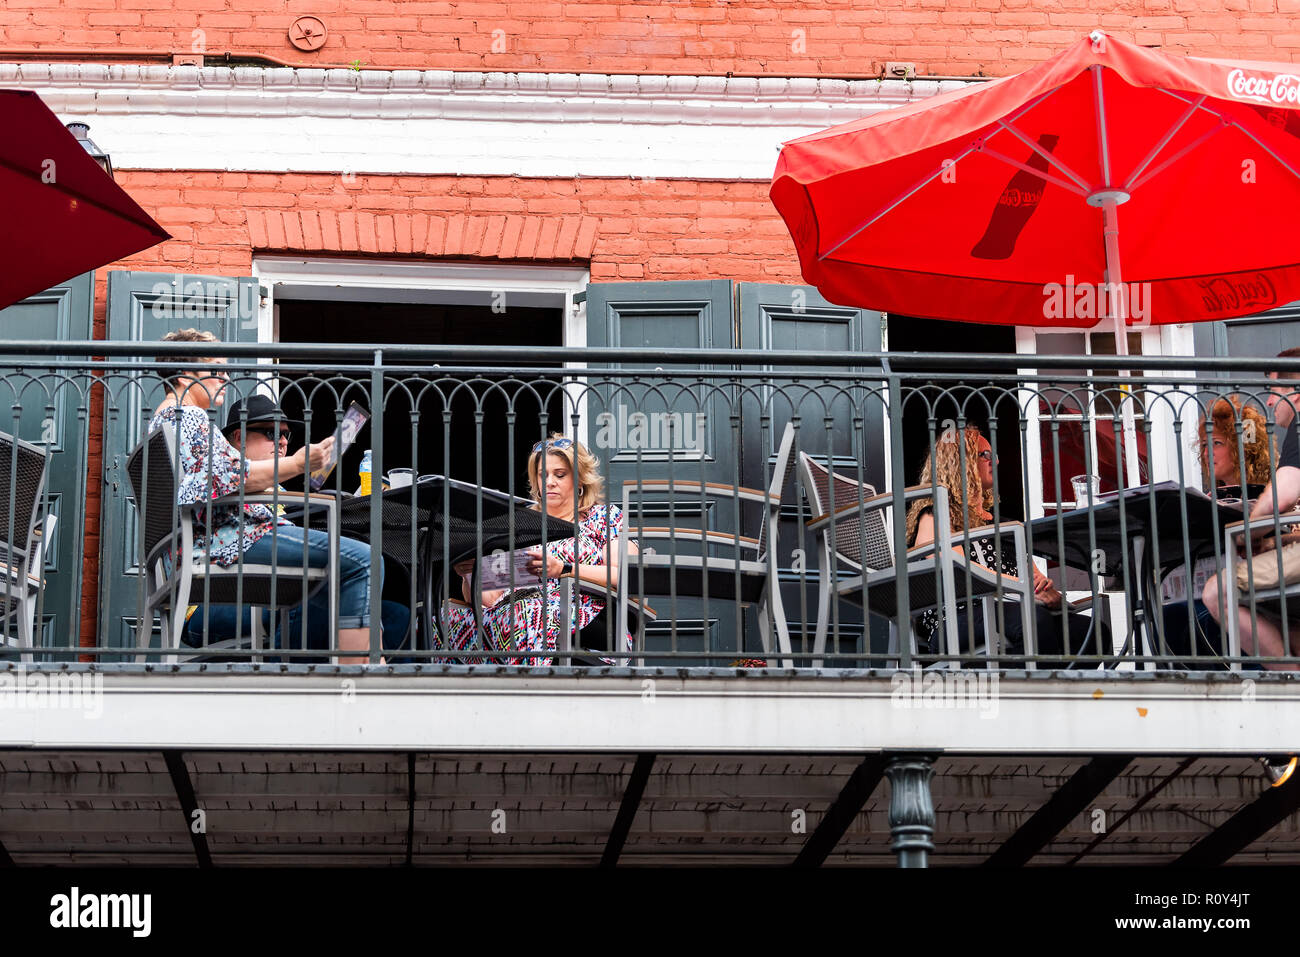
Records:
x=494, y=570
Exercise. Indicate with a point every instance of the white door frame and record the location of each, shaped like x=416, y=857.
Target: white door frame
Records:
x=378, y=280
x=1163, y=453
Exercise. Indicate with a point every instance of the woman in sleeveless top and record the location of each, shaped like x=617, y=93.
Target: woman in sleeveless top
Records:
x=966, y=471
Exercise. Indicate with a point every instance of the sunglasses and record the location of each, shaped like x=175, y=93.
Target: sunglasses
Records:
x=283, y=435
x=553, y=444
x=986, y=455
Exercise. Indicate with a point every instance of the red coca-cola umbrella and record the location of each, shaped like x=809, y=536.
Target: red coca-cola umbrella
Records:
x=1110, y=182
x=65, y=214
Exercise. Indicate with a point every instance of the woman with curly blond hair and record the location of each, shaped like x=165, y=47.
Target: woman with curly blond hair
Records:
x=564, y=480
x=961, y=472
x=965, y=470
x=1226, y=465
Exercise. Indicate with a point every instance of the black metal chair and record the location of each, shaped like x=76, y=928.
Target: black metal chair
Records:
x=857, y=560
x=747, y=575
x=22, y=482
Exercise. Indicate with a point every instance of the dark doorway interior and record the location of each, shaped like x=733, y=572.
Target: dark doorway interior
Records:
x=454, y=449
x=908, y=334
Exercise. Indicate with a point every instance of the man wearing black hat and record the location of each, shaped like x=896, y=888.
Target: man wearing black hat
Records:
x=258, y=427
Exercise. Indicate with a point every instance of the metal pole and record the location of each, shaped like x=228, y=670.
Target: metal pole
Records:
x=898, y=478
x=376, y=506
x=911, y=809
x=1108, y=198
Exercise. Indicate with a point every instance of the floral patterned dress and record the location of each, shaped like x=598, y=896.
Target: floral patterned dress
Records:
x=526, y=621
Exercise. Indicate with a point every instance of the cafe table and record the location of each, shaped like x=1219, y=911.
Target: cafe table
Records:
x=1137, y=535
x=434, y=523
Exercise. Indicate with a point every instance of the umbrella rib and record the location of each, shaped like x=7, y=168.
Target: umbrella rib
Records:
x=1256, y=140
x=148, y=226
x=1042, y=174
x=1103, y=142
x=1179, y=155
x=926, y=180
x=976, y=146
x=1164, y=141
x=1229, y=121
x=898, y=201
x=1081, y=188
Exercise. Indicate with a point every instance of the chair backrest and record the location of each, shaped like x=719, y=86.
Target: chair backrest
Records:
x=22, y=477
x=783, y=469
x=152, y=472
x=40, y=542
x=862, y=537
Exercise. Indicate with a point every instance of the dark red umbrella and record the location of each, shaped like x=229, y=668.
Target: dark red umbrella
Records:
x=63, y=214
x=1013, y=201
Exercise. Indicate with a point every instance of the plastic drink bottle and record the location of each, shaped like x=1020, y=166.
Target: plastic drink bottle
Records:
x=364, y=471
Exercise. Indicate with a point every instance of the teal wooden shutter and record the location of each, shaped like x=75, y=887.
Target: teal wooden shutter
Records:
x=50, y=410
x=665, y=317
x=837, y=420
x=1264, y=335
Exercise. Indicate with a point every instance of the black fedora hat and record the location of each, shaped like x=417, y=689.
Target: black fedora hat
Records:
x=261, y=409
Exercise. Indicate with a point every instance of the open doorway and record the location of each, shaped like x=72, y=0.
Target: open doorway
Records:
x=433, y=445
x=909, y=334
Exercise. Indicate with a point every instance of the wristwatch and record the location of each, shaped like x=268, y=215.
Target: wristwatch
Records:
x=568, y=569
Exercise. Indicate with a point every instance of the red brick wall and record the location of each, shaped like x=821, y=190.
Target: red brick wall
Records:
x=643, y=229
x=783, y=37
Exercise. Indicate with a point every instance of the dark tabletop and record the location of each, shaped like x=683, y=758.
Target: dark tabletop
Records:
x=447, y=511
x=1154, y=513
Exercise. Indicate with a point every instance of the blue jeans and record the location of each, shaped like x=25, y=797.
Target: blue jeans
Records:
x=354, y=569
x=223, y=619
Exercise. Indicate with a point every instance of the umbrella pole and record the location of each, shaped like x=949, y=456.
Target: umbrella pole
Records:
x=1118, y=308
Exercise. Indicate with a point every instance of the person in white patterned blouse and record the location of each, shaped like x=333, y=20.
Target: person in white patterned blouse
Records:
x=211, y=467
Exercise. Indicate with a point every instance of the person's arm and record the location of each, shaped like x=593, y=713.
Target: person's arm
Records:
x=924, y=529
x=598, y=573
x=1044, y=590
x=465, y=570
x=601, y=574
x=264, y=474
x=209, y=467
x=1287, y=484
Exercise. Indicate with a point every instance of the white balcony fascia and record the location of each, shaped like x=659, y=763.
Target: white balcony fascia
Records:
x=1144, y=714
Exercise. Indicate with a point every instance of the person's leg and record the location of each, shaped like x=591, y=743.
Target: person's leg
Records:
x=284, y=546
x=457, y=630
x=970, y=635
x=221, y=622
x=1050, y=628
x=520, y=625
x=1257, y=633
x=396, y=619
x=1180, y=637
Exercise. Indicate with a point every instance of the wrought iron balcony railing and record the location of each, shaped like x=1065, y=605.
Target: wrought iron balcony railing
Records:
x=732, y=509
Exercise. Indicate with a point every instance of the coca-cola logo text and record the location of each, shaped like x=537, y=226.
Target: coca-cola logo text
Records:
x=1225, y=293
x=1264, y=88
x=1011, y=196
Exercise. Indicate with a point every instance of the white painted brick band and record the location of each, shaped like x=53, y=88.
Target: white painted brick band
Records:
x=440, y=122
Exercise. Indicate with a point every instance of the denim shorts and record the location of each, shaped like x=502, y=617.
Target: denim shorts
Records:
x=354, y=569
